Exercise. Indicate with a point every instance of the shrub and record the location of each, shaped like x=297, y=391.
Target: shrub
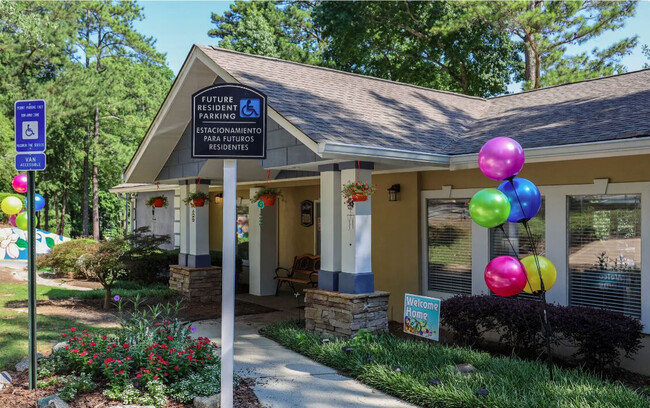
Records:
x=599, y=335
x=143, y=260
x=106, y=264
x=66, y=257
x=75, y=385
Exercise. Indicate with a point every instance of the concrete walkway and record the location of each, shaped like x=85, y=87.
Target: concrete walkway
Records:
x=285, y=379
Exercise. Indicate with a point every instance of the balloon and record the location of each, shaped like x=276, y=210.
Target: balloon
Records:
x=12, y=220
x=21, y=221
x=489, y=208
x=19, y=183
x=39, y=200
x=549, y=274
x=525, y=199
x=11, y=205
x=501, y=158
x=505, y=276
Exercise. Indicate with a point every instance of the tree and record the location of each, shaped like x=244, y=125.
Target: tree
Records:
x=395, y=40
x=106, y=264
x=281, y=29
x=544, y=30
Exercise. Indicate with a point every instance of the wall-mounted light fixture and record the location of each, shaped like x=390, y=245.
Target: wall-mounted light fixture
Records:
x=393, y=192
x=218, y=198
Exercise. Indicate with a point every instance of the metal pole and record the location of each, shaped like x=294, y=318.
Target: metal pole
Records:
x=31, y=265
x=228, y=281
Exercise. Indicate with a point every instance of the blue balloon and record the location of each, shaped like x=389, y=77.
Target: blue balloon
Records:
x=524, y=196
x=38, y=200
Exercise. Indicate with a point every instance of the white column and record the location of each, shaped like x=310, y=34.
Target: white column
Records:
x=262, y=247
x=556, y=245
x=330, y=212
x=356, y=234
x=199, y=230
x=184, y=225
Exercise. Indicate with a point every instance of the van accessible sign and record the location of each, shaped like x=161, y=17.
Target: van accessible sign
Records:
x=229, y=122
x=422, y=316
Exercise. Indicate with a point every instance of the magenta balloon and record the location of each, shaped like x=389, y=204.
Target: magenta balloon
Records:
x=19, y=183
x=501, y=158
x=12, y=220
x=505, y=276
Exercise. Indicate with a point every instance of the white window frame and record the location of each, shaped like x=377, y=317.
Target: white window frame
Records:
x=556, y=237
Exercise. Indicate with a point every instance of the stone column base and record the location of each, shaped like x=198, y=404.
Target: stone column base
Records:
x=198, y=285
x=344, y=314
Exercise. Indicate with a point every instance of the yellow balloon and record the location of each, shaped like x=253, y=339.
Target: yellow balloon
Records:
x=11, y=205
x=549, y=274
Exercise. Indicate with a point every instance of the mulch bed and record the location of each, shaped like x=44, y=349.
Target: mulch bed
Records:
x=19, y=396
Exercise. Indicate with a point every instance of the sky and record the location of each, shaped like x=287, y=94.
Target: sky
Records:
x=176, y=25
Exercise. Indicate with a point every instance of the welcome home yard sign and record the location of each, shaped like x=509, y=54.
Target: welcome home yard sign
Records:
x=422, y=316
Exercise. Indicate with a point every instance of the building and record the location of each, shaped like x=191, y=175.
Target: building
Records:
x=587, y=147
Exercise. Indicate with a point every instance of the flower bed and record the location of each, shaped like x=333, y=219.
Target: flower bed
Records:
x=149, y=360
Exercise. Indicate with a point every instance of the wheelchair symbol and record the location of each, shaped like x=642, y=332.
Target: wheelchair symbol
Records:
x=30, y=130
x=249, y=108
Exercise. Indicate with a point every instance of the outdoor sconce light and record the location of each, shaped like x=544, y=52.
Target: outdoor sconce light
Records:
x=218, y=198
x=393, y=192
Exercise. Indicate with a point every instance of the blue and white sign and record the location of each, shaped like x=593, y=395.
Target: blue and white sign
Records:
x=30, y=161
x=30, y=126
x=422, y=316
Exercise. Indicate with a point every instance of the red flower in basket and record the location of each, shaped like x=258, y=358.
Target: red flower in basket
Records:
x=157, y=202
x=267, y=196
x=357, y=191
x=197, y=199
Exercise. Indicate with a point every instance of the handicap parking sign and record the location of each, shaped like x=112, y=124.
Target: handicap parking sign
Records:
x=249, y=108
x=30, y=126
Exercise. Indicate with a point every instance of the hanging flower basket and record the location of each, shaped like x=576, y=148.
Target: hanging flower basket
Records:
x=267, y=196
x=198, y=199
x=357, y=191
x=157, y=202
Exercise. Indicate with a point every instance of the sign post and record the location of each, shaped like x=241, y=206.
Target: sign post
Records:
x=30, y=130
x=228, y=122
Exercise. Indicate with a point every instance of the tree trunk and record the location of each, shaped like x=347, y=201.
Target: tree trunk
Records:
x=84, y=201
x=107, y=297
x=96, y=178
x=46, y=211
x=64, y=202
x=532, y=59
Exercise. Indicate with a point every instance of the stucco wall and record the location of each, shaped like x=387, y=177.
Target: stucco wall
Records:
x=164, y=223
x=395, y=243
x=216, y=219
x=293, y=238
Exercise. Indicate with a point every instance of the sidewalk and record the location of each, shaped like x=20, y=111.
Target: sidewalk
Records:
x=285, y=379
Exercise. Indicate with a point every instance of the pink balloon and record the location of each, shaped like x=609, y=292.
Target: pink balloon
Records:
x=19, y=183
x=501, y=158
x=12, y=220
x=505, y=276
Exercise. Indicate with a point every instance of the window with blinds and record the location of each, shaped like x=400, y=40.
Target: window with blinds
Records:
x=605, y=252
x=521, y=244
x=449, y=246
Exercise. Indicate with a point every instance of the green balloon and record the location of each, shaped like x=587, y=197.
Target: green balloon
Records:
x=489, y=208
x=21, y=221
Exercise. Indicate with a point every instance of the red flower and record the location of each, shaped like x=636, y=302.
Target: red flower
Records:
x=138, y=375
x=92, y=343
x=103, y=337
x=75, y=350
x=63, y=335
x=175, y=367
x=155, y=377
x=67, y=347
x=128, y=358
x=125, y=345
x=121, y=372
x=170, y=338
x=89, y=362
x=73, y=329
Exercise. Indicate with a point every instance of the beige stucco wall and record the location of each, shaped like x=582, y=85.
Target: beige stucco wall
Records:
x=293, y=238
x=617, y=170
x=216, y=219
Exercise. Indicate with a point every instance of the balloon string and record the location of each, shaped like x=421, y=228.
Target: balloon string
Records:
x=514, y=251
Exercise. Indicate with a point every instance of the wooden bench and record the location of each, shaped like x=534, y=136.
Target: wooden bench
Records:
x=304, y=270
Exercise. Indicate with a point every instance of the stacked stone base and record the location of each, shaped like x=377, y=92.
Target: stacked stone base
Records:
x=198, y=285
x=344, y=314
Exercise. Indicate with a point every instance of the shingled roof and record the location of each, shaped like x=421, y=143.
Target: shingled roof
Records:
x=336, y=106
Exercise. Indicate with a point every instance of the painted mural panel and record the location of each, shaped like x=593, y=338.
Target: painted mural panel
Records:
x=13, y=243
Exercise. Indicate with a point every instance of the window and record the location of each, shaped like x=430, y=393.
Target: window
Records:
x=499, y=244
x=605, y=252
x=449, y=246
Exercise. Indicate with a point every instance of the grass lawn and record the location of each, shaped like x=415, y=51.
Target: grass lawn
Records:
x=510, y=382
x=13, y=324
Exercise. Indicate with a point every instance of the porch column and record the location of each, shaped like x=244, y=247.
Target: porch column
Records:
x=356, y=234
x=330, y=210
x=262, y=247
x=184, y=227
x=199, y=229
